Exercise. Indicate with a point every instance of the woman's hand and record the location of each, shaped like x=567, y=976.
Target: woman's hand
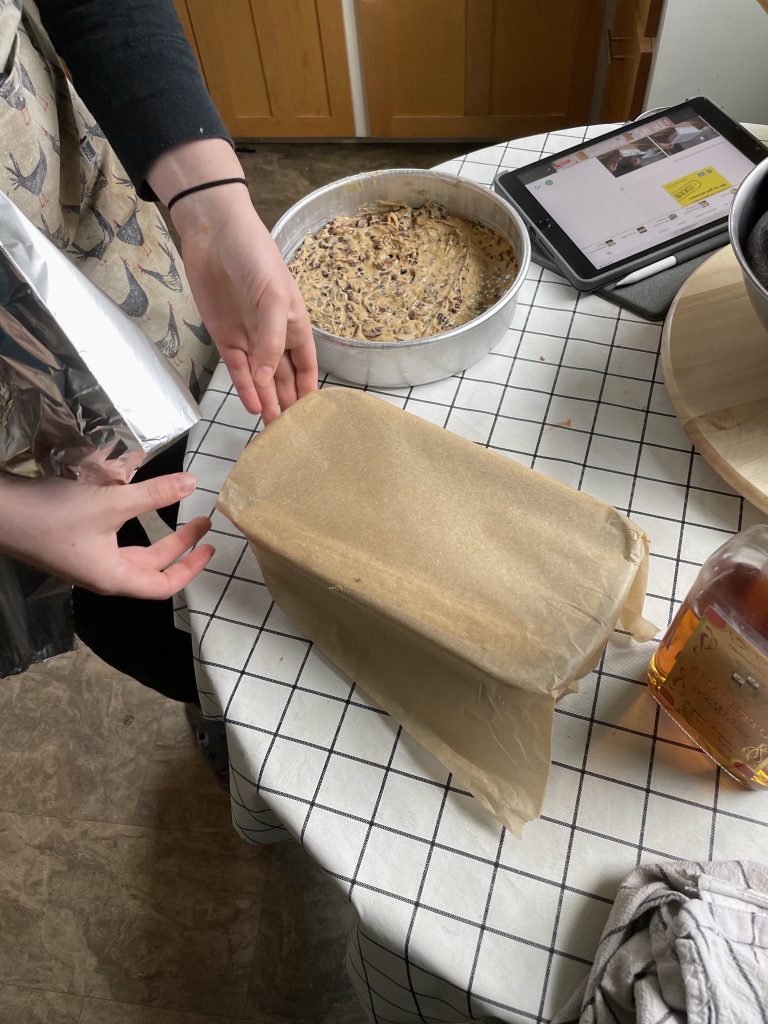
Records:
x=70, y=529
x=247, y=298
x=245, y=293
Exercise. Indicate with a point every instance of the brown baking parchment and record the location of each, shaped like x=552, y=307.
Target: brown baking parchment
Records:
x=464, y=593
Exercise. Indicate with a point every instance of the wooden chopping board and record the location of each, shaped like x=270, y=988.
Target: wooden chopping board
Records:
x=714, y=353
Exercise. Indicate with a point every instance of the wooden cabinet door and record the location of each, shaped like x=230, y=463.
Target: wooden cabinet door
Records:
x=273, y=67
x=477, y=68
x=630, y=41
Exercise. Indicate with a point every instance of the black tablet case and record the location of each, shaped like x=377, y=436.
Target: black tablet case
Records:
x=650, y=298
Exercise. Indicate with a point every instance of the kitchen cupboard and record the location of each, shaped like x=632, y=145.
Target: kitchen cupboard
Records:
x=275, y=68
x=477, y=68
x=629, y=38
x=404, y=69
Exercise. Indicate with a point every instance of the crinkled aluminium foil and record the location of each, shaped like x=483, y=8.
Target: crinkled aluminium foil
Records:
x=83, y=392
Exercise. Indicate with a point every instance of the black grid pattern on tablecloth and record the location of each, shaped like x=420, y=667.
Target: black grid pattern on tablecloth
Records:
x=458, y=918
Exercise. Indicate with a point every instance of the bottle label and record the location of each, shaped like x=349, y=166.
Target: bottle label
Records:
x=719, y=686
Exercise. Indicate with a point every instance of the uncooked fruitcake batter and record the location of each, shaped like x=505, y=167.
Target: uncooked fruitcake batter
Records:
x=394, y=272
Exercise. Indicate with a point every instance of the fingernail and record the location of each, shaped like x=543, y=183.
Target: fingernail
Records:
x=187, y=483
x=263, y=375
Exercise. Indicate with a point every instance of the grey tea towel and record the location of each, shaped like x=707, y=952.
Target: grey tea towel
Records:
x=685, y=943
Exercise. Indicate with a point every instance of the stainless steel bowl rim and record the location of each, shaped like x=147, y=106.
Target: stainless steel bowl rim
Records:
x=742, y=197
x=522, y=269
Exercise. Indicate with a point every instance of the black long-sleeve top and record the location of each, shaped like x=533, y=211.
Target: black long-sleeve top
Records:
x=134, y=69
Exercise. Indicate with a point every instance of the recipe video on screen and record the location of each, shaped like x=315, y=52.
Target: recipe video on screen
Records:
x=643, y=187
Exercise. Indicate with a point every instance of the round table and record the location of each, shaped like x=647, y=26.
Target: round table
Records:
x=457, y=919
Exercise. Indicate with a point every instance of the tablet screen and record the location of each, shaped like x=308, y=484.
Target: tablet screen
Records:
x=644, y=186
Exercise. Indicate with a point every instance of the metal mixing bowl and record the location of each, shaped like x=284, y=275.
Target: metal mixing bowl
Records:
x=405, y=363
x=749, y=204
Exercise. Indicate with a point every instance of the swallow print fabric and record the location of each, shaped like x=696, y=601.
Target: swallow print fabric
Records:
x=58, y=168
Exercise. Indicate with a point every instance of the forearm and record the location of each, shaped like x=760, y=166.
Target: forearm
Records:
x=206, y=214
x=193, y=163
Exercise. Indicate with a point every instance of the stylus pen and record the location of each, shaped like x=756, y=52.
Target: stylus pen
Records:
x=672, y=261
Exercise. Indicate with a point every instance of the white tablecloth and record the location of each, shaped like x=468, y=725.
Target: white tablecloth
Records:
x=457, y=918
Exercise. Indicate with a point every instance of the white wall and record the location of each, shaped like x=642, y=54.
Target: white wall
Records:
x=713, y=48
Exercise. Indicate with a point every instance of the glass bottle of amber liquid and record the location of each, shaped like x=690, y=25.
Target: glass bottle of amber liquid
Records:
x=710, y=671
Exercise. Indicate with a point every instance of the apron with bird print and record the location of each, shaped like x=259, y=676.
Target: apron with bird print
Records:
x=61, y=172
x=57, y=167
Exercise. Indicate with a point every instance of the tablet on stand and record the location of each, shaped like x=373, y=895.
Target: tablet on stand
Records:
x=651, y=195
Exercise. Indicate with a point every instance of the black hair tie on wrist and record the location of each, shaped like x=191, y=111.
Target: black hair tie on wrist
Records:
x=203, y=186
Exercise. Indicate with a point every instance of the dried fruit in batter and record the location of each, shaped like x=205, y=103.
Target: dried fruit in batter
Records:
x=394, y=272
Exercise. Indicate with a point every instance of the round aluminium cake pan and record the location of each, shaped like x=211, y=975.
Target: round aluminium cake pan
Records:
x=407, y=363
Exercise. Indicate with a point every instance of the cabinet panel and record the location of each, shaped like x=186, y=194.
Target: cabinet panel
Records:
x=543, y=60
x=630, y=41
x=183, y=16
x=274, y=67
x=477, y=68
x=419, y=55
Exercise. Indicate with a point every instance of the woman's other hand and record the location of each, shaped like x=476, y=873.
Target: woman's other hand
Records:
x=244, y=291
x=69, y=529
